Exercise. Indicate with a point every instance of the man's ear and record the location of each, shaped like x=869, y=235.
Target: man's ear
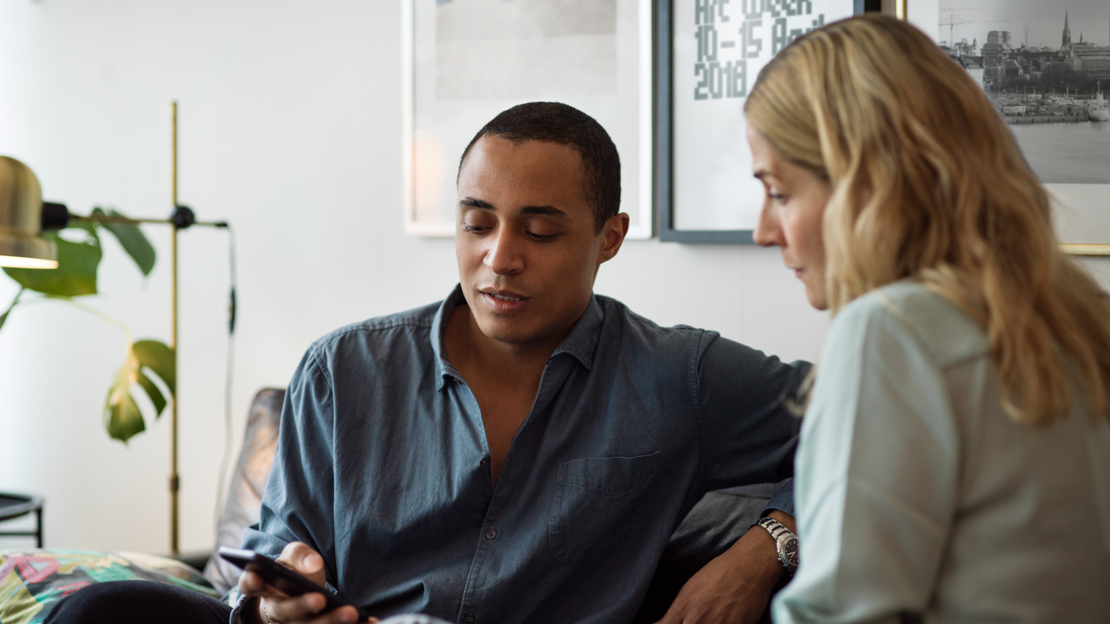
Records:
x=612, y=236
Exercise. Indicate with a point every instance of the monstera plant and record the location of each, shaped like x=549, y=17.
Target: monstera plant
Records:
x=79, y=256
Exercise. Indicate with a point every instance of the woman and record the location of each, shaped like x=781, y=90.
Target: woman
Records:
x=954, y=464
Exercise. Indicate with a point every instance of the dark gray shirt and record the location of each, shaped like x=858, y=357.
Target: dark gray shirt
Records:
x=382, y=465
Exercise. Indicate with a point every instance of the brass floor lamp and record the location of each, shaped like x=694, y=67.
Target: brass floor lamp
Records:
x=23, y=216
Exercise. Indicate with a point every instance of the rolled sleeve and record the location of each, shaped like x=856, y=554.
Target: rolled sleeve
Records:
x=783, y=500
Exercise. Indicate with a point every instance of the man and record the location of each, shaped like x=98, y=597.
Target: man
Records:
x=521, y=451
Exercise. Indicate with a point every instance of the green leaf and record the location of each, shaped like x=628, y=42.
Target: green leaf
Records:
x=158, y=357
x=132, y=239
x=86, y=226
x=76, y=272
x=15, y=301
x=122, y=417
x=153, y=392
x=124, y=420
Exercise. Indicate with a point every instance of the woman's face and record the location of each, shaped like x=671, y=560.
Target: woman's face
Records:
x=793, y=206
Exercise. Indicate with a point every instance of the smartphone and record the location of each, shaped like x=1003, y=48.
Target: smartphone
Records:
x=282, y=578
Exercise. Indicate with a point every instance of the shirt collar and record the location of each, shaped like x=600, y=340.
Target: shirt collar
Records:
x=582, y=340
x=439, y=326
x=580, y=343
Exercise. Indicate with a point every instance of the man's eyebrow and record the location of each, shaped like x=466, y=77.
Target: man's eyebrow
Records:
x=546, y=211
x=475, y=203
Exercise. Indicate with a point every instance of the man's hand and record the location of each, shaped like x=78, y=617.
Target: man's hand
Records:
x=734, y=588
x=276, y=607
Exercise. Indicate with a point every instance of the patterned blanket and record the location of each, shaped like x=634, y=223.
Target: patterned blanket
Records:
x=32, y=581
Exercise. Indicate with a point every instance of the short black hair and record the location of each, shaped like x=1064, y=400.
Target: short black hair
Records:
x=554, y=122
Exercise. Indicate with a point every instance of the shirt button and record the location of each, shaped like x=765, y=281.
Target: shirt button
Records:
x=484, y=462
x=468, y=618
x=491, y=533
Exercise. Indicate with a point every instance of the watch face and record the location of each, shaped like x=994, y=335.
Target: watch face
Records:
x=789, y=551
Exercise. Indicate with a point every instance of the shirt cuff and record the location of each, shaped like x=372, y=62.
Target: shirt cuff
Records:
x=240, y=602
x=783, y=500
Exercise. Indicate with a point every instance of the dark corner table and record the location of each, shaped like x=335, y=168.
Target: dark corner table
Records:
x=16, y=505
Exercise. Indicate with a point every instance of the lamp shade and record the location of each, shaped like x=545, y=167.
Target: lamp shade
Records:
x=21, y=244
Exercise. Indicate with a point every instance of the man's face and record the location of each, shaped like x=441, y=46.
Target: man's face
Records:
x=526, y=241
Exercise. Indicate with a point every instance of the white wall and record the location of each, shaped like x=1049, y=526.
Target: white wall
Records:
x=289, y=128
x=289, y=122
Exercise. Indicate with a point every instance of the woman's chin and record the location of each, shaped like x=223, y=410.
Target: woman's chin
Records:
x=817, y=299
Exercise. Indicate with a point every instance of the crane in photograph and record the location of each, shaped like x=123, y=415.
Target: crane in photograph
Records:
x=951, y=19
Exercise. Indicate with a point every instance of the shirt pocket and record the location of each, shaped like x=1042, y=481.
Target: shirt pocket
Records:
x=597, y=504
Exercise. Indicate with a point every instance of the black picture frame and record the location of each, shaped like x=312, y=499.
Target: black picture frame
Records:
x=663, y=191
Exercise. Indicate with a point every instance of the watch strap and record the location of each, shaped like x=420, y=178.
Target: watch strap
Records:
x=772, y=526
x=780, y=533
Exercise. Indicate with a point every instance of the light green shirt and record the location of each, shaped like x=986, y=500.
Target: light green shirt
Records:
x=917, y=494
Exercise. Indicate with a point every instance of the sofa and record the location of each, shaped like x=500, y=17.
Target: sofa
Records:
x=32, y=581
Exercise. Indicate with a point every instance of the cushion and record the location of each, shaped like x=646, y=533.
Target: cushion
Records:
x=244, y=496
x=33, y=581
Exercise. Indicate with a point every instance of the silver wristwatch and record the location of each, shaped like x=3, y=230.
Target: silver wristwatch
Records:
x=786, y=543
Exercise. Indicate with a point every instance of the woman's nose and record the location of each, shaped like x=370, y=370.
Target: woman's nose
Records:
x=768, y=232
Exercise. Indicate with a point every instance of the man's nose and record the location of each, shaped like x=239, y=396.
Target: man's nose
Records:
x=506, y=256
x=768, y=230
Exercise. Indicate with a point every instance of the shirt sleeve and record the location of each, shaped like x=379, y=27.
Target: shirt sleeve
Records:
x=783, y=500
x=876, y=475
x=297, y=502
x=749, y=429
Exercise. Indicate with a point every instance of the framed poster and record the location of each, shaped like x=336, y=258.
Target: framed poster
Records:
x=1046, y=68
x=709, y=54
x=465, y=61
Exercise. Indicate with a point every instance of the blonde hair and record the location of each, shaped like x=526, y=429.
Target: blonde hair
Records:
x=929, y=184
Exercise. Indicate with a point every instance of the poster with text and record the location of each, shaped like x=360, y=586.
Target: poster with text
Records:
x=718, y=49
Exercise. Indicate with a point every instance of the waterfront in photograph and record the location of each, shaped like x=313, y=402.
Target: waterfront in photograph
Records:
x=1067, y=153
x=1046, y=68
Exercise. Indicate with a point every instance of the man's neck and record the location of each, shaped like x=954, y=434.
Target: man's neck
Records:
x=504, y=377
x=471, y=351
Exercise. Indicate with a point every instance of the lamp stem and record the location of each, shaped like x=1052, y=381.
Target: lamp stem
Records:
x=175, y=481
x=173, y=154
